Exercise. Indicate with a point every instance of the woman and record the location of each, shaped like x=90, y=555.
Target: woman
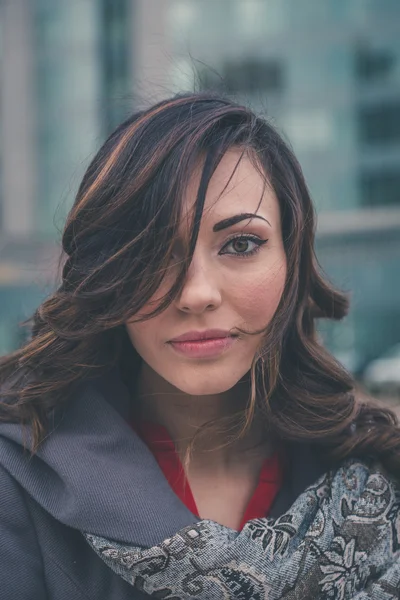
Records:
x=174, y=427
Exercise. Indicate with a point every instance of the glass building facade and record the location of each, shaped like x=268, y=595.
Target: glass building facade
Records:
x=68, y=70
x=327, y=72
x=82, y=52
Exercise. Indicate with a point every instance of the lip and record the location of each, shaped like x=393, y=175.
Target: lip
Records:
x=203, y=344
x=196, y=336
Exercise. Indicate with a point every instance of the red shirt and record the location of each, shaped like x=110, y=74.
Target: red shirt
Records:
x=162, y=447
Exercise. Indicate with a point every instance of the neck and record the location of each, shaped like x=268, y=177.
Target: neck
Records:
x=184, y=415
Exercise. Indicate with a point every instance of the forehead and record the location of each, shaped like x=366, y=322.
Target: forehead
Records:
x=236, y=186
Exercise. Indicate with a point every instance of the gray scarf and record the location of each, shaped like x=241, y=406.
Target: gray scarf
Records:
x=339, y=540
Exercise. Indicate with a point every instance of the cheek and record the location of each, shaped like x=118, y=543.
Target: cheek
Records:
x=257, y=298
x=144, y=334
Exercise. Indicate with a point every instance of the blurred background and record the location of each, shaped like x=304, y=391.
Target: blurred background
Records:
x=326, y=72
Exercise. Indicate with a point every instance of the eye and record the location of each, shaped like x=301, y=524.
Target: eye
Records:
x=243, y=246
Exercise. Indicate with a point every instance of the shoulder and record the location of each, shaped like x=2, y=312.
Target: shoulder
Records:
x=361, y=491
x=14, y=512
x=357, y=476
x=21, y=566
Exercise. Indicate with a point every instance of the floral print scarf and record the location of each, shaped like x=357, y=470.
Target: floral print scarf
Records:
x=339, y=540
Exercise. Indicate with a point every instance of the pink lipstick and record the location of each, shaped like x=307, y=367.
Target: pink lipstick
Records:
x=203, y=344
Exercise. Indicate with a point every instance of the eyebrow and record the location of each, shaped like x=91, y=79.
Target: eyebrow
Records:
x=225, y=223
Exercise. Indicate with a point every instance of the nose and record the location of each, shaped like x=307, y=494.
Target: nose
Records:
x=200, y=292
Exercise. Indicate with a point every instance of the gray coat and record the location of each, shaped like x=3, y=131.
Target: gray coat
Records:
x=92, y=474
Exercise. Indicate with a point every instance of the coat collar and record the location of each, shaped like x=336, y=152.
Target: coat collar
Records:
x=94, y=474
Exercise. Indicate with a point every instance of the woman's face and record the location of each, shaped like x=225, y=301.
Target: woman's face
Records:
x=235, y=280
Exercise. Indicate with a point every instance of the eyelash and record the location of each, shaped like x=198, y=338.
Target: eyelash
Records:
x=251, y=238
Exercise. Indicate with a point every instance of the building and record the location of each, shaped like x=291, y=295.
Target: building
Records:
x=328, y=75
x=65, y=80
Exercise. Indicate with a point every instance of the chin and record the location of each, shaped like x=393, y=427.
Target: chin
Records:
x=204, y=386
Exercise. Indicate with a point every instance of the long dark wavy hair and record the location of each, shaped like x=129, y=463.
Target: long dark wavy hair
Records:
x=117, y=245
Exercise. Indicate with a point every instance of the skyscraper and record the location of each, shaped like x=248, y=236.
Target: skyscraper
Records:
x=65, y=81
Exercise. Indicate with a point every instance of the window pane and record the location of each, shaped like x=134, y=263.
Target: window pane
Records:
x=380, y=123
x=380, y=187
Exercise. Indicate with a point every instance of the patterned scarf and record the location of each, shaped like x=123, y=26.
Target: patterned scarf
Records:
x=339, y=540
